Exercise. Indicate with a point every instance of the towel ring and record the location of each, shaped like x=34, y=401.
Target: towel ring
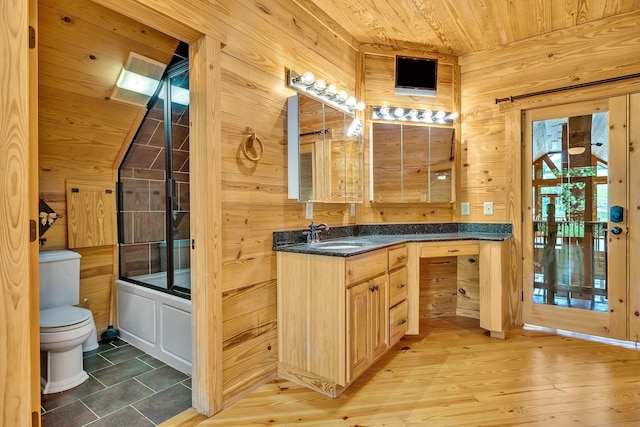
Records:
x=249, y=143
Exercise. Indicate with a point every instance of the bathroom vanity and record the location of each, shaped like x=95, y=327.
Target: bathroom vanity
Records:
x=344, y=302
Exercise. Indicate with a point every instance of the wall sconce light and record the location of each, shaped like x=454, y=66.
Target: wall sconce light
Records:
x=413, y=115
x=323, y=92
x=138, y=80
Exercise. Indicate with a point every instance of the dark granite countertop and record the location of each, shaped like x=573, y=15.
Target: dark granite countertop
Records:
x=354, y=240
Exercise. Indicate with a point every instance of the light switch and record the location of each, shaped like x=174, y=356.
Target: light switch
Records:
x=464, y=208
x=488, y=208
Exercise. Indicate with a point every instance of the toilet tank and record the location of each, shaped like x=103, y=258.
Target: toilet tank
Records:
x=59, y=278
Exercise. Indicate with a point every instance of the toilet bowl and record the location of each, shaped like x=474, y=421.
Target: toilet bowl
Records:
x=65, y=330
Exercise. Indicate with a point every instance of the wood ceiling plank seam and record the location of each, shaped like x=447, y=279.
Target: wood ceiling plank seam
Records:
x=482, y=11
x=626, y=23
x=420, y=33
x=590, y=10
x=434, y=19
x=110, y=112
x=563, y=13
x=114, y=22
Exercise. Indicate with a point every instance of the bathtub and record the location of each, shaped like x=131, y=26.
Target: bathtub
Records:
x=156, y=322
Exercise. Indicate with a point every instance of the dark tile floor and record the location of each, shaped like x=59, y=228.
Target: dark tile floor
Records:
x=126, y=387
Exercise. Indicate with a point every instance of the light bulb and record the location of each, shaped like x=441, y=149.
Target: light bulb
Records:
x=360, y=106
x=440, y=115
x=398, y=112
x=384, y=111
x=342, y=96
x=351, y=101
x=413, y=113
x=307, y=78
x=320, y=85
x=331, y=90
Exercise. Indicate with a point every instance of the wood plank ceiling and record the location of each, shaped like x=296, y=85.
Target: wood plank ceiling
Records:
x=82, y=47
x=459, y=27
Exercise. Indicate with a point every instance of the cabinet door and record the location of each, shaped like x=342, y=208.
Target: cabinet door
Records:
x=357, y=329
x=379, y=323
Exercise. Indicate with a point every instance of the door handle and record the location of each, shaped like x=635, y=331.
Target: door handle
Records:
x=616, y=230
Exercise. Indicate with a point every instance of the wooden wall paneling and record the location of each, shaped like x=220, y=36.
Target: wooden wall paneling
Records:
x=468, y=291
x=249, y=337
x=634, y=217
x=96, y=282
x=16, y=309
x=91, y=213
x=438, y=290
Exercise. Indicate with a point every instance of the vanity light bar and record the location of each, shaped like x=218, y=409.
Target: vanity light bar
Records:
x=323, y=92
x=413, y=115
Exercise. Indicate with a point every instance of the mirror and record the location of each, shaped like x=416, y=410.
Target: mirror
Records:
x=325, y=162
x=412, y=163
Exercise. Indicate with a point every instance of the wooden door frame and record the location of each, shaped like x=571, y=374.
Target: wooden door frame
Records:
x=612, y=324
x=205, y=43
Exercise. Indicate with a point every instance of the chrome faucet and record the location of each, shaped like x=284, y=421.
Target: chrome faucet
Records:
x=313, y=233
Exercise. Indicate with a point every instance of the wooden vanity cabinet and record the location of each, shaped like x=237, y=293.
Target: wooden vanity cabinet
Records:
x=333, y=317
x=367, y=326
x=398, y=287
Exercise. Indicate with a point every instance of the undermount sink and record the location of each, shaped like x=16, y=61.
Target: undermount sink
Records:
x=340, y=245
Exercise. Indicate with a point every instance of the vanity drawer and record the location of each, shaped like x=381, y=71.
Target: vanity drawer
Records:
x=454, y=248
x=398, y=322
x=366, y=266
x=397, y=257
x=397, y=286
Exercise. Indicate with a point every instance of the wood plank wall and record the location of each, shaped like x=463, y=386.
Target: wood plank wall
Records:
x=259, y=42
x=491, y=133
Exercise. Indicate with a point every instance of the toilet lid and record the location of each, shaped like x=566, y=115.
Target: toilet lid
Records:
x=65, y=316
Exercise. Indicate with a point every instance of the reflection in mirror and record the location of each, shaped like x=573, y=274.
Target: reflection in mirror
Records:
x=325, y=163
x=412, y=163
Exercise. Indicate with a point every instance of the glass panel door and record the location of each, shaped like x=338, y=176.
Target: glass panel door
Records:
x=569, y=158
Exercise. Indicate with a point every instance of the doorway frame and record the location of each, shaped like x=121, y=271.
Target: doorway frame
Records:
x=612, y=324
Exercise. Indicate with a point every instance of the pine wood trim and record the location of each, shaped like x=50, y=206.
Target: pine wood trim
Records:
x=206, y=224
x=16, y=254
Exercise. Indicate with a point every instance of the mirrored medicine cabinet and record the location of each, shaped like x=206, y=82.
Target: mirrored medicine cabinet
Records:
x=412, y=163
x=324, y=161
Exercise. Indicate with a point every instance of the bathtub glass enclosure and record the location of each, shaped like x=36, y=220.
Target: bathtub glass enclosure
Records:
x=154, y=192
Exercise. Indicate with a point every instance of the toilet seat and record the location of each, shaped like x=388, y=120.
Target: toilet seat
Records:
x=65, y=318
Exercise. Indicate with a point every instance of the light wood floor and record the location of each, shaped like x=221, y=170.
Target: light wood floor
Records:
x=454, y=374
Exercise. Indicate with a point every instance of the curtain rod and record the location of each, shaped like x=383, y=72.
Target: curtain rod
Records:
x=560, y=89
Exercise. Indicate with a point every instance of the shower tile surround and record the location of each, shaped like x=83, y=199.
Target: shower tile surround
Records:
x=282, y=239
x=143, y=193
x=125, y=387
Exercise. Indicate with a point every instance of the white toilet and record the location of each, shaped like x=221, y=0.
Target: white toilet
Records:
x=65, y=331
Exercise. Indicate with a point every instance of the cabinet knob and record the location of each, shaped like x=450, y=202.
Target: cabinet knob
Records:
x=402, y=322
x=453, y=250
x=401, y=257
x=402, y=285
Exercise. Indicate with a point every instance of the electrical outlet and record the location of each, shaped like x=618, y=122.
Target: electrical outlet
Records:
x=488, y=208
x=464, y=208
x=309, y=214
x=352, y=209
